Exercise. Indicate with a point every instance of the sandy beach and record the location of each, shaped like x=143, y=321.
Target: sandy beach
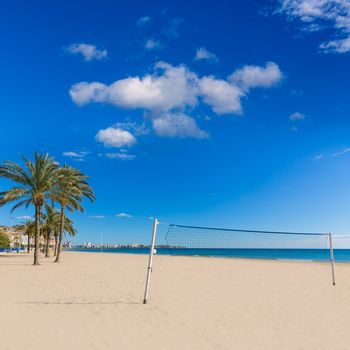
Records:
x=93, y=301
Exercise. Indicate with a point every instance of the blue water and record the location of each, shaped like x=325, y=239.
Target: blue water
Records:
x=11, y=250
x=340, y=255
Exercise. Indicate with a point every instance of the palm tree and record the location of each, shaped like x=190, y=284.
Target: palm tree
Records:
x=33, y=185
x=56, y=234
x=69, y=190
x=68, y=226
x=52, y=220
x=29, y=229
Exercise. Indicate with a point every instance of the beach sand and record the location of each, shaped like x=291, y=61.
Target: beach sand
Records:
x=94, y=301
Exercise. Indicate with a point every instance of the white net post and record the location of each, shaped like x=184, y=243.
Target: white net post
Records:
x=150, y=260
x=331, y=256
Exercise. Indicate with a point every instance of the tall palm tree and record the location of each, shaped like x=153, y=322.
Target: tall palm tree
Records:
x=33, y=185
x=70, y=188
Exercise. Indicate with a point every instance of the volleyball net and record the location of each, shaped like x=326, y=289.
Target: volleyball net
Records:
x=234, y=243
x=206, y=240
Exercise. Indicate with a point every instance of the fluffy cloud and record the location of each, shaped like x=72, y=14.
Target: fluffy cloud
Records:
x=89, y=52
x=339, y=46
x=169, y=93
x=169, y=87
x=203, y=54
x=318, y=14
x=296, y=116
x=222, y=96
x=255, y=76
x=115, y=137
x=84, y=93
x=177, y=125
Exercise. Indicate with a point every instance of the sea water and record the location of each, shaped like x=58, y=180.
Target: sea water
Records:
x=340, y=255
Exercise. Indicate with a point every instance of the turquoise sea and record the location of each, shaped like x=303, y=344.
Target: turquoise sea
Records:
x=340, y=255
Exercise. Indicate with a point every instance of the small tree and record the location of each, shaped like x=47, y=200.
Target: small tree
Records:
x=4, y=240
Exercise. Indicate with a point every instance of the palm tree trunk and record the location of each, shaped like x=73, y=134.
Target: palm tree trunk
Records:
x=37, y=235
x=59, y=248
x=56, y=244
x=47, y=246
x=28, y=247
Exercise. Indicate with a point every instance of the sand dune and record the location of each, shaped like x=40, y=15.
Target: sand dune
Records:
x=93, y=301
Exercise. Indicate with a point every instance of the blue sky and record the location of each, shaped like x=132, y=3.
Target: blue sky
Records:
x=231, y=114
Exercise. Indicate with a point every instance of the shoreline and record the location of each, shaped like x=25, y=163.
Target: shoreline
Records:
x=208, y=256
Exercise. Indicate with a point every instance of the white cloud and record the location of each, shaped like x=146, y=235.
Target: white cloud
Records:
x=296, y=116
x=336, y=154
x=77, y=156
x=96, y=216
x=339, y=46
x=177, y=125
x=133, y=127
x=255, y=76
x=340, y=153
x=89, y=52
x=152, y=44
x=122, y=155
x=306, y=10
x=170, y=92
x=142, y=21
x=124, y=215
x=203, y=54
x=24, y=217
x=220, y=95
x=71, y=154
x=169, y=87
x=176, y=87
x=115, y=137
x=84, y=93
x=316, y=15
